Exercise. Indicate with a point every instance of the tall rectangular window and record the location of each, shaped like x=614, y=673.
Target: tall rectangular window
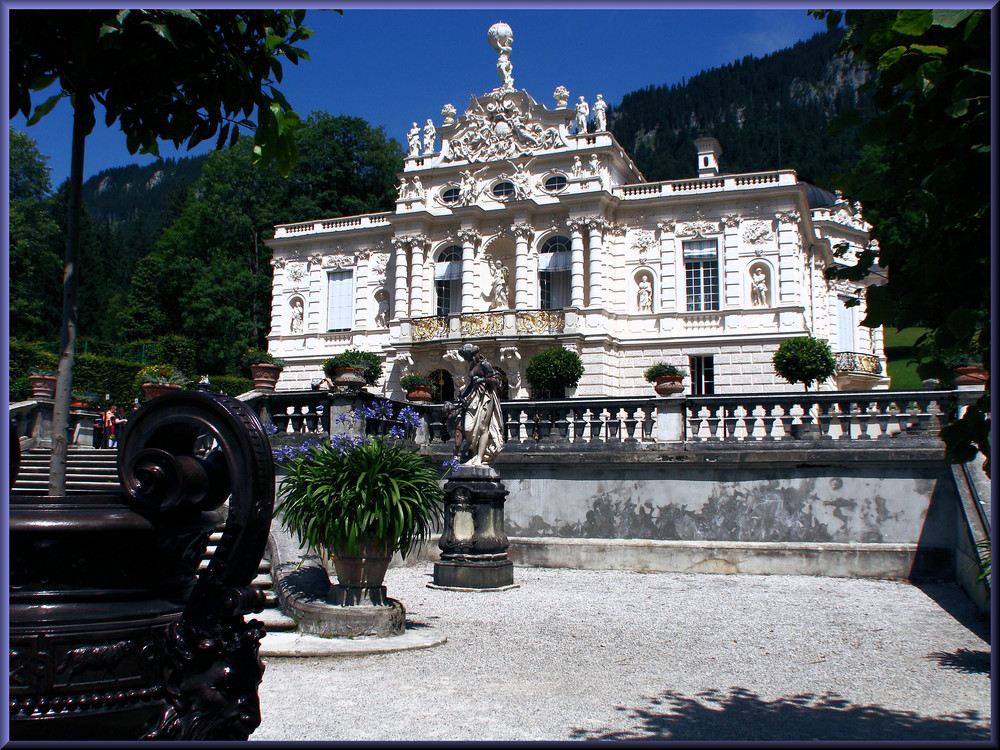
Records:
x=554, y=289
x=702, y=376
x=449, y=296
x=701, y=272
x=847, y=327
x=340, y=310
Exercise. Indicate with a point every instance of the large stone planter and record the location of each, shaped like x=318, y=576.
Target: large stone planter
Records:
x=265, y=375
x=419, y=393
x=971, y=375
x=351, y=378
x=43, y=386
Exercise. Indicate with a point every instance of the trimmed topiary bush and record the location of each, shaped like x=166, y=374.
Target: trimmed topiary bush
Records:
x=552, y=371
x=804, y=360
x=369, y=362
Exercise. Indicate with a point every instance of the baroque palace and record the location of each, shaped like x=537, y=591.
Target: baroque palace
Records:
x=520, y=228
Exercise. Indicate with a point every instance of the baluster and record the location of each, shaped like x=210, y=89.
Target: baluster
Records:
x=579, y=425
x=883, y=415
x=436, y=424
x=613, y=426
x=647, y=425
x=596, y=427
x=542, y=425
x=766, y=420
x=863, y=417
x=311, y=418
x=560, y=433
x=280, y=419
x=512, y=427
x=296, y=420
x=525, y=427
x=714, y=421
x=630, y=424
x=824, y=420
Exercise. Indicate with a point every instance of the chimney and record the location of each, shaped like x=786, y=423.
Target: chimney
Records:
x=709, y=152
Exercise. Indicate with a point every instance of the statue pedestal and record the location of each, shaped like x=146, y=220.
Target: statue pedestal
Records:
x=473, y=543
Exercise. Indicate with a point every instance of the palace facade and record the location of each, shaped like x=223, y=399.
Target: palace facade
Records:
x=520, y=228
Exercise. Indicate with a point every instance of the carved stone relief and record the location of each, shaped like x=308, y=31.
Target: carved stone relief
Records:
x=499, y=127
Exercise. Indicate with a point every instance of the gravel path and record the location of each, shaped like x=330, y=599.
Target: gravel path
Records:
x=578, y=654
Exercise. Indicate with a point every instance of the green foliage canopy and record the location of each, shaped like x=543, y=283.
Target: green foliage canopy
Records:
x=554, y=370
x=804, y=360
x=925, y=182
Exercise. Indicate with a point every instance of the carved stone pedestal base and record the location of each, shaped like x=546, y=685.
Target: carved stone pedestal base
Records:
x=352, y=612
x=473, y=543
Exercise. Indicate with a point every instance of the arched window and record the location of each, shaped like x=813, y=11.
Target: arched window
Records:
x=554, y=273
x=448, y=280
x=444, y=386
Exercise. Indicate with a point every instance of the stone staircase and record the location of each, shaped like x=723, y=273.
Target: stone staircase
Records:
x=97, y=469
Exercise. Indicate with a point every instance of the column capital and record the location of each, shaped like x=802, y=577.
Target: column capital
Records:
x=522, y=230
x=575, y=225
x=596, y=223
x=468, y=236
x=667, y=227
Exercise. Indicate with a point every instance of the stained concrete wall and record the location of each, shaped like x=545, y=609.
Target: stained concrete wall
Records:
x=864, y=511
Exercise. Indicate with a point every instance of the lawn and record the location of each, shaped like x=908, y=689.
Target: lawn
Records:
x=899, y=352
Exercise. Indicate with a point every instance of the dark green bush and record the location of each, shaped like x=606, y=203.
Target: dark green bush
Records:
x=230, y=385
x=552, y=371
x=804, y=360
x=24, y=357
x=107, y=376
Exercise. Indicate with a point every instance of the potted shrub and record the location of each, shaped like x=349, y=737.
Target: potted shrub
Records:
x=43, y=383
x=353, y=368
x=158, y=379
x=264, y=368
x=666, y=378
x=552, y=371
x=81, y=399
x=804, y=360
x=967, y=370
x=417, y=387
x=359, y=499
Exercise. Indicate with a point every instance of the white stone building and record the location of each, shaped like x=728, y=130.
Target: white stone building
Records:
x=518, y=230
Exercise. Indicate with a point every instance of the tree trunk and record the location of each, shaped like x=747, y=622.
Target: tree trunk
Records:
x=64, y=383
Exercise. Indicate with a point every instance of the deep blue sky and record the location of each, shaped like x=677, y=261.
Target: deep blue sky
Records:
x=394, y=66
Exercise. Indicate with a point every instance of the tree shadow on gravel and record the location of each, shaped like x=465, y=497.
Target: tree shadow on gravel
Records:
x=964, y=660
x=741, y=715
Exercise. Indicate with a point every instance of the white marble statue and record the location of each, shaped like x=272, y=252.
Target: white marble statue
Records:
x=430, y=137
x=577, y=167
x=502, y=39
x=498, y=293
x=595, y=164
x=414, y=140
x=401, y=190
x=600, y=114
x=418, y=188
x=448, y=112
x=297, y=312
x=582, y=112
x=482, y=416
x=644, y=299
x=521, y=180
x=382, y=316
x=758, y=288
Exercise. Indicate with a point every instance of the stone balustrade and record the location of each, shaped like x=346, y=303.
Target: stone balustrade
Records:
x=332, y=225
x=761, y=418
x=722, y=183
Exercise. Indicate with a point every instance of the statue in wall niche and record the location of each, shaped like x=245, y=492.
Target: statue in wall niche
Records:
x=297, y=312
x=644, y=299
x=413, y=139
x=430, y=137
x=600, y=114
x=498, y=293
x=479, y=401
x=382, y=316
x=758, y=288
x=582, y=113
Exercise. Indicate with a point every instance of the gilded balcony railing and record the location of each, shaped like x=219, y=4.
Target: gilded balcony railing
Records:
x=493, y=323
x=868, y=364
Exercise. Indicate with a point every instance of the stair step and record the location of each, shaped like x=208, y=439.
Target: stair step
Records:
x=274, y=620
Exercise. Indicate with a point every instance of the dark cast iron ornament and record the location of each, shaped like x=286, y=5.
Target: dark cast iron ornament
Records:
x=114, y=635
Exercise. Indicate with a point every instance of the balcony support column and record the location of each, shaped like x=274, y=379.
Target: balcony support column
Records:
x=523, y=234
x=576, y=260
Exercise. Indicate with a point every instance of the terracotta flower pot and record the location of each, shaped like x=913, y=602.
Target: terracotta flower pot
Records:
x=366, y=570
x=264, y=375
x=152, y=390
x=419, y=393
x=970, y=375
x=667, y=384
x=43, y=386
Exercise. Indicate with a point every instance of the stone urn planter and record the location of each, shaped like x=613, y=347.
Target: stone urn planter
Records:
x=265, y=375
x=352, y=378
x=666, y=385
x=43, y=386
x=152, y=390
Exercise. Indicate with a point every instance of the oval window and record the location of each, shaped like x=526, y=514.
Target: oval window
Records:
x=555, y=183
x=503, y=190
